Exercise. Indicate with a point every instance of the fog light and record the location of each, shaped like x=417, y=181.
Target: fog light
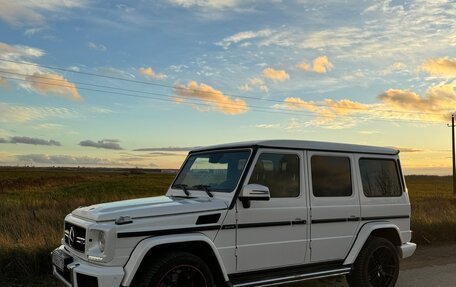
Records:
x=101, y=241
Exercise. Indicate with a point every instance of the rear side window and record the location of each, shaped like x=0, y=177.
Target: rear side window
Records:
x=380, y=177
x=331, y=176
x=279, y=172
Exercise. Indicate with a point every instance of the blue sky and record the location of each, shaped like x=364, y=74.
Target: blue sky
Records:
x=137, y=83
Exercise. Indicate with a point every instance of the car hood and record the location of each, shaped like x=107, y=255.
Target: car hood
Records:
x=149, y=207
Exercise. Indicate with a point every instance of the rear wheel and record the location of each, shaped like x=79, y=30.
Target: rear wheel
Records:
x=377, y=265
x=179, y=269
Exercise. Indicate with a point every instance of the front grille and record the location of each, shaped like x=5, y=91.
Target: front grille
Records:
x=75, y=236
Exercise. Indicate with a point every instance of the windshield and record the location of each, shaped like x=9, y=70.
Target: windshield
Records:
x=214, y=171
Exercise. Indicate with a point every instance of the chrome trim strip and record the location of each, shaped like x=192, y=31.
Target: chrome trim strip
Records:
x=296, y=278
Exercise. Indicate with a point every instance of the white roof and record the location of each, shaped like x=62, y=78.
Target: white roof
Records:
x=304, y=145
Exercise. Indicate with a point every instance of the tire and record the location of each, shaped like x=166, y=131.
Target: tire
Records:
x=377, y=265
x=177, y=269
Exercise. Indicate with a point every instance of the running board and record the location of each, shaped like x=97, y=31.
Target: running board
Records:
x=282, y=276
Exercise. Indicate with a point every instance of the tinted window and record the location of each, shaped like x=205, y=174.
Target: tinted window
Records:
x=380, y=177
x=279, y=172
x=331, y=176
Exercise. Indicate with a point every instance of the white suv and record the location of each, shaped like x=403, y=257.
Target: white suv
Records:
x=250, y=214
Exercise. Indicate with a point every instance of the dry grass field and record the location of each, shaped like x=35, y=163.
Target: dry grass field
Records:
x=34, y=201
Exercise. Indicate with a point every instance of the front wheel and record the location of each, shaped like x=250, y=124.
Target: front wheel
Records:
x=178, y=269
x=377, y=265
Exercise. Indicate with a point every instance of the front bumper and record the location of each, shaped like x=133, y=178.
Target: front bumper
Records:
x=81, y=273
x=407, y=249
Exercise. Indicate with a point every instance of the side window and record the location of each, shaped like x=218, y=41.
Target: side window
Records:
x=279, y=172
x=380, y=177
x=331, y=176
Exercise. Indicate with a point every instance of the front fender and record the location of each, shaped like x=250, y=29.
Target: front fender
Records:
x=147, y=244
x=363, y=235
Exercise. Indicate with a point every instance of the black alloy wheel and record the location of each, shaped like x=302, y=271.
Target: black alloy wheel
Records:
x=377, y=265
x=174, y=269
x=183, y=275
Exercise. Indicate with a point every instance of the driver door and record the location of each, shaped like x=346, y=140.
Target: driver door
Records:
x=273, y=233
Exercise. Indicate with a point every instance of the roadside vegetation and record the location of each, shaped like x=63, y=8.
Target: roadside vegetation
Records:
x=34, y=202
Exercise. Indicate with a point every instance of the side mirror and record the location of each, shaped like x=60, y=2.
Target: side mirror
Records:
x=254, y=192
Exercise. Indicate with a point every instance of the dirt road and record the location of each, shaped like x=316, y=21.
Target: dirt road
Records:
x=429, y=266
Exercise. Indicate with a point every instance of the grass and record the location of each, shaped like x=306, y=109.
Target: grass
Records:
x=34, y=201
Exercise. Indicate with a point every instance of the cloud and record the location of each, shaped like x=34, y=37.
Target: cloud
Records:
x=29, y=140
x=150, y=73
x=22, y=114
x=267, y=126
x=254, y=82
x=242, y=36
x=100, y=110
x=49, y=83
x=405, y=149
x=166, y=149
x=210, y=4
x=394, y=104
x=212, y=98
x=29, y=12
x=97, y=47
x=18, y=52
x=33, y=31
x=32, y=77
x=330, y=114
x=48, y=126
x=437, y=103
x=445, y=67
x=66, y=160
x=320, y=65
x=276, y=75
x=104, y=143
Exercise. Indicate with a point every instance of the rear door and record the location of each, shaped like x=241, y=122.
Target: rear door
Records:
x=335, y=206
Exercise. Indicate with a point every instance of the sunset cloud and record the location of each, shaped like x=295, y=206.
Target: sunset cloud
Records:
x=33, y=77
x=46, y=159
x=151, y=74
x=49, y=83
x=405, y=149
x=166, y=149
x=212, y=98
x=440, y=100
x=29, y=140
x=320, y=65
x=104, y=144
x=254, y=82
x=445, y=67
x=299, y=104
x=276, y=75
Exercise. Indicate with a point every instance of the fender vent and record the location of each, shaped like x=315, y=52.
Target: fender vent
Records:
x=207, y=219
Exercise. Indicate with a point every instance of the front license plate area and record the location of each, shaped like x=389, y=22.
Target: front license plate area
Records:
x=60, y=259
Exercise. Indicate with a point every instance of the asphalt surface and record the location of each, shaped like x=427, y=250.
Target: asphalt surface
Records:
x=428, y=267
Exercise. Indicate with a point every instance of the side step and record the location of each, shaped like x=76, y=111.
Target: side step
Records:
x=272, y=277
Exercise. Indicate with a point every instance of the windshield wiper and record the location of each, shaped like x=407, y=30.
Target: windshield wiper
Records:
x=183, y=187
x=205, y=188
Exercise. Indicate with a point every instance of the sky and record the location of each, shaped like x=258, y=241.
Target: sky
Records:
x=139, y=83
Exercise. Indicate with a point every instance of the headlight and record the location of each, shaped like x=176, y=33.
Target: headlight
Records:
x=101, y=241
